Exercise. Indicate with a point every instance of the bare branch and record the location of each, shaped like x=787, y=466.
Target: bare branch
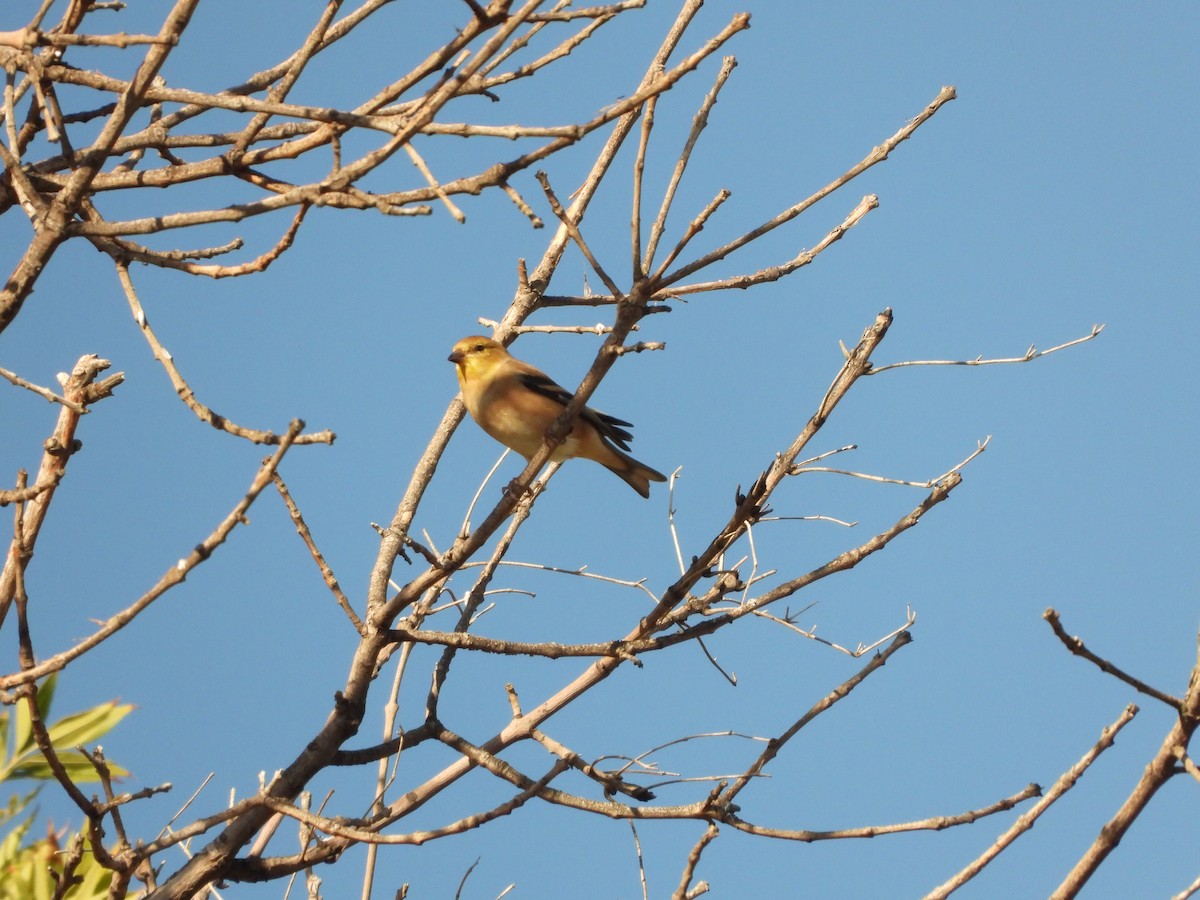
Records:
x=637, y=844
x=1031, y=354
x=699, y=123
x=640, y=641
x=1157, y=772
x=27, y=38
x=1186, y=761
x=1076, y=646
x=184, y=390
x=54, y=224
x=24, y=494
x=693, y=860
x=610, y=783
x=302, y=529
x=43, y=392
x=860, y=650
x=845, y=561
x=804, y=467
x=599, y=328
x=178, y=259
x=175, y=575
x=878, y=155
x=264, y=163
x=573, y=230
x=771, y=273
x=1027, y=819
x=82, y=387
x=935, y=823
x=839, y=693
x=467, y=823
x=1190, y=891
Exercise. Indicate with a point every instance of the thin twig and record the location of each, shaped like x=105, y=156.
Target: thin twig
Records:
x=876, y=156
x=1190, y=891
x=770, y=273
x=423, y=168
x=693, y=860
x=573, y=229
x=43, y=392
x=465, y=528
x=1161, y=768
x=599, y=328
x=637, y=846
x=802, y=468
x=934, y=823
x=83, y=386
x=839, y=693
x=184, y=390
x=699, y=123
x=302, y=529
x=671, y=517
x=861, y=650
x=1027, y=819
x=1076, y=646
x=1031, y=354
x=174, y=576
x=580, y=572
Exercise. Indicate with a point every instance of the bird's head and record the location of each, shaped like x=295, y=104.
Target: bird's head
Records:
x=476, y=354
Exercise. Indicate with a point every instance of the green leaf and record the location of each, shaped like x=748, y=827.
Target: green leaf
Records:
x=5, y=759
x=16, y=805
x=66, y=734
x=83, y=727
x=10, y=847
x=27, y=874
x=23, y=732
x=95, y=883
x=45, y=694
x=77, y=766
x=24, y=727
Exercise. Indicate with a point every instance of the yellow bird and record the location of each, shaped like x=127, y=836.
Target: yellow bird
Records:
x=516, y=403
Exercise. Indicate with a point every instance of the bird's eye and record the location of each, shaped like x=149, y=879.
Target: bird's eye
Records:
x=478, y=348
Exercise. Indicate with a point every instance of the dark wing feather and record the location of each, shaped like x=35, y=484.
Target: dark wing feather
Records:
x=544, y=385
x=609, y=427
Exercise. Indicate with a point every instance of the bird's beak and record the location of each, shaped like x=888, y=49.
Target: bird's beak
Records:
x=456, y=357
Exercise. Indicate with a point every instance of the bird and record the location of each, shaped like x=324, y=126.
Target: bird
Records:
x=516, y=403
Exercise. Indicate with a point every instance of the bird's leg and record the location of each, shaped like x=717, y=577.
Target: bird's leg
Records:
x=515, y=489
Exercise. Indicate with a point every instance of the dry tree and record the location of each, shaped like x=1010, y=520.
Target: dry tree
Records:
x=77, y=141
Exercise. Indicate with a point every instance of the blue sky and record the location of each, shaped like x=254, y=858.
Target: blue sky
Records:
x=1056, y=192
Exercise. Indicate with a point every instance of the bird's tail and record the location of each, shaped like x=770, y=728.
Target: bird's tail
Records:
x=635, y=474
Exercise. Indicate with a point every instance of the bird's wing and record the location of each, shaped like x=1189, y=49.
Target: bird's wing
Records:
x=607, y=426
